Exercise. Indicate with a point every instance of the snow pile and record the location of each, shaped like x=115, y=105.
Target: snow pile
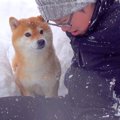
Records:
x=7, y=83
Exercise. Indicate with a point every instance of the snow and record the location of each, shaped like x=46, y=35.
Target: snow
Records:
x=24, y=9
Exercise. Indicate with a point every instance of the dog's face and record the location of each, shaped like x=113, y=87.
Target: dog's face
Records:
x=32, y=34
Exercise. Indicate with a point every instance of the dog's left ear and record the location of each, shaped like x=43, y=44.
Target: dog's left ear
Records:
x=41, y=18
x=13, y=23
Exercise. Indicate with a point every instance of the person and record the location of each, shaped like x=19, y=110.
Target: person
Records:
x=93, y=27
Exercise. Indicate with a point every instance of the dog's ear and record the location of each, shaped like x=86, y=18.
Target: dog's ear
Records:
x=41, y=18
x=13, y=23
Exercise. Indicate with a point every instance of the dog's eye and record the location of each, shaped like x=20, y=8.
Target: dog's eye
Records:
x=27, y=34
x=41, y=31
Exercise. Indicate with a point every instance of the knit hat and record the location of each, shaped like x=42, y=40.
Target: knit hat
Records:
x=55, y=9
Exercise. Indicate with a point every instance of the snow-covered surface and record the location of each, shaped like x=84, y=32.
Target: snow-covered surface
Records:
x=25, y=9
x=7, y=84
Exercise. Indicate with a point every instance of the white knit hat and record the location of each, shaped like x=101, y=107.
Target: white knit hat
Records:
x=54, y=9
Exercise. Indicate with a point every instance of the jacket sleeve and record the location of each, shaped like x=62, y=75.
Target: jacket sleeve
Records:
x=34, y=108
x=40, y=108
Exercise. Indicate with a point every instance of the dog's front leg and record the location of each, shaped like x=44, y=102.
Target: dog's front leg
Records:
x=21, y=88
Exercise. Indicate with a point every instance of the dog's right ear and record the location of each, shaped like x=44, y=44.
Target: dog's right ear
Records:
x=13, y=23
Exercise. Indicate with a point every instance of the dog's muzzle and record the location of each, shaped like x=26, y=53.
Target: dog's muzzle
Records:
x=40, y=44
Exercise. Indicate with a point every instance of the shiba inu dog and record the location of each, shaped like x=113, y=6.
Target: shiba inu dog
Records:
x=36, y=66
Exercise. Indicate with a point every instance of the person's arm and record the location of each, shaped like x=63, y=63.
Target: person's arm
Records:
x=34, y=108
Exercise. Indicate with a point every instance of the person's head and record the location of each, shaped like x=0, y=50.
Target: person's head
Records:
x=71, y=15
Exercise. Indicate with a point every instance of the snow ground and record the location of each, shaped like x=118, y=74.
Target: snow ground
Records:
x=25, y=9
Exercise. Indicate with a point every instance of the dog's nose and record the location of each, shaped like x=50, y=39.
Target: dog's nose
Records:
x=41, y=43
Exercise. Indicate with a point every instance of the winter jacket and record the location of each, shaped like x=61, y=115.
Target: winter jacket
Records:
x=90, y=79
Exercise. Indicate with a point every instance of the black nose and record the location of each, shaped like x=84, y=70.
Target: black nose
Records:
x=41, y=43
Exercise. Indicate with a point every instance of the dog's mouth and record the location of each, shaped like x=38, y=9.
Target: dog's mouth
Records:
x=40, y=44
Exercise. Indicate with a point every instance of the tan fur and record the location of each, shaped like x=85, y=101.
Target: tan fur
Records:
x=37, y=69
